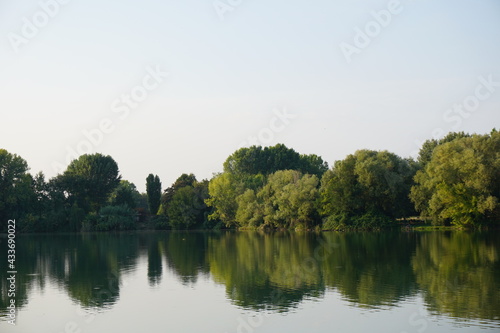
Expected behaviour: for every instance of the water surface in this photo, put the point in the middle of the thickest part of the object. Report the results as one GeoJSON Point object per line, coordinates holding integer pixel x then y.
{"type": "Point", "coordinates": [255, 282]}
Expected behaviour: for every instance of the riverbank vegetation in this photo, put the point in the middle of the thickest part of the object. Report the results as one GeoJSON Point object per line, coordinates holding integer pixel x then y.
{"type": "Point", "coordinates": [455, 181]}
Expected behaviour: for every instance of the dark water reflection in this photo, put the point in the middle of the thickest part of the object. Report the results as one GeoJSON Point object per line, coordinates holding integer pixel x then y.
{"type": "Point", "coordinates": [457, 273]}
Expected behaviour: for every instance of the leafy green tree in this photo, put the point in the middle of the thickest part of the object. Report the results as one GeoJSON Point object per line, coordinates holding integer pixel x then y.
{"type": "Point", "coordinates": [288, 200]}
{"type": "Point", "coordinates": [90, 179]}
{"type": "Point", "coordinates": [184, 202]}
{"type": "Point", "coordinates": [111, 218]}
{"type": "Point", "coordinates": [425, 153]}
{"type": "Point", "coordinates": [235, 194]}
{"type": "Point", "coordinates": [461, 183]}
{"type": "Point", "coordinates": [267, 160]}
{"type": "Point", "coordinates": [250, 211]}
{"type": "Point", "coordinates": [57, 206]}
{"type": "Point", "coordinates": [41, 191]}
{"type": "Point", "coordinates": [153, 190]}
{"type": "Point", "coordinates": [15, 187]}
{"type": "Point", "coordinates": [143, 202]}
{"type": "Point", "coordinates": [313, 164]}
{"type": "Point", "coordinates": [182, 212]}
{"type": "Point", "coordinates": [224, 190]}
{"type": "Point", "coordinates": [125, 194]}
{"type": "Point", "coordinates": [367, 187]}
{"type": "Point", "coordinates": [75, 218]}
{"type": "Point", "coordinates": [168, 194]}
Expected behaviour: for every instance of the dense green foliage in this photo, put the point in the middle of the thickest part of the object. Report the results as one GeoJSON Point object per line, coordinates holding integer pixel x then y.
{"type": "Point", "coordinates": [153, 190]}
{"type": "Point", "coordinates": [183, 204]}
{"type": "Point", "coordinates": [367, 189]}
{"type": "Point", "coordinates": [89, 180]}
{"type": "Point", "coordinates": [425, 153]}
{"type": "Point", "coordinates": [70, 201]}
{"type": "Point", "coordinates": [111, 218]}
{"type": "Point", "coordinates": [288, 200]}
{"type": "Point", "coordinates": [271, 187]}
{"type": "Point", "coordinates": [455, 180]}
{"type": "Point", "coordinates": [283, 199]}
{"type": "Point", "coordinates": [125, 194]}
{"type": "Point", "coordinates": [267, 160]}
{"type": "Point", "coordinates": [15, 186]}
{"type": "Point", "coordinates": [223, 190]}
{"type": "Point", "coordinates": [461, 182]}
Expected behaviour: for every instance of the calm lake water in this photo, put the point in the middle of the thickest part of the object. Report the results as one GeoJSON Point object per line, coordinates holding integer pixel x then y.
{"type": "Point", "coordinates": [254, 282]}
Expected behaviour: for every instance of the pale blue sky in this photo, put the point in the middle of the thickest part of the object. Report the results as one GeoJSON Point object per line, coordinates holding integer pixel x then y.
{"type": "Point", "coordinates": [227, 78]}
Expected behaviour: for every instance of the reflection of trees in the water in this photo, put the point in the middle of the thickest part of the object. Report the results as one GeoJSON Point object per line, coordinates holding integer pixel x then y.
{"type": "Point", "coordinates": [370, 269]}
{"type": "Point", "coordinates": [87, 266]}
{"type": "Point", "coordinates": [94, 267]}
{"type": "Point", "coordinates": [459, 273]}
{"type": "Point", "coordinates": [265, 270]}
{"type": "Point", "coordinates": [25, 280]}
{"type": "Point", "coordinates": [155, 266]}
{"type": "Point", "coordinates": [185, 254]}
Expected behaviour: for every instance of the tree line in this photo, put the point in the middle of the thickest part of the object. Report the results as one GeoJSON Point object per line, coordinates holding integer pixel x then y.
{"type": "Point", "coordinates": [454, 181]}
